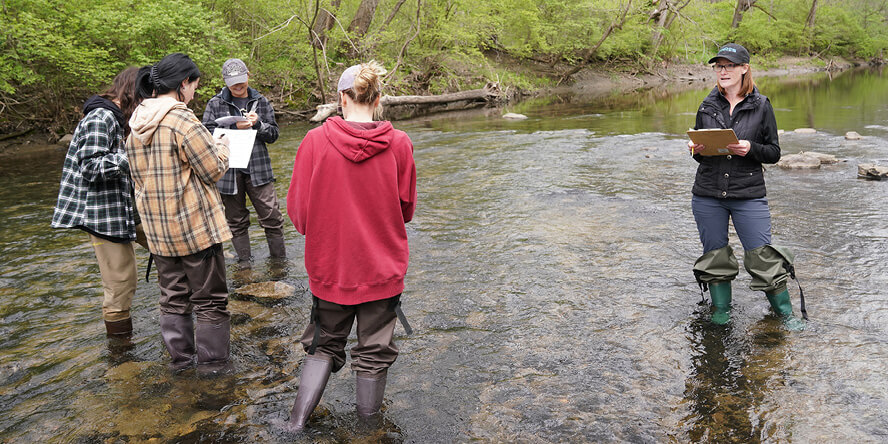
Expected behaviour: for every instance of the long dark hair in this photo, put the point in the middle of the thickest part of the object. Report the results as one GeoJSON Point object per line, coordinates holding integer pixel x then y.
{"type": "Point", "coordinates": [123, 89]}
{"type": "Point", "coordinates": [166, 75]}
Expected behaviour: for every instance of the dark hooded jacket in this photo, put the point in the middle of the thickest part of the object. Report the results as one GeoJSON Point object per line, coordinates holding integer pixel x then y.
{"type": "Point", "coordinates": [732, 176]}
{"type": "Point", "coordinates": [353, 189]}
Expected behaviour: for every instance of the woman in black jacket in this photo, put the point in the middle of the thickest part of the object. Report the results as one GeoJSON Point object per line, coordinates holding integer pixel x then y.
{"type": "Point", "coordinates": [732, 186]}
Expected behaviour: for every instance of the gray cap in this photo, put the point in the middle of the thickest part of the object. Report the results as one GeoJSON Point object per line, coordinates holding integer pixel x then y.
{"type": "Point", "coordinates": [347, 79]}
{"type": "Point", "coordinates": [732, 52]}
{"type": "Point", "coordinates": [234, 71]}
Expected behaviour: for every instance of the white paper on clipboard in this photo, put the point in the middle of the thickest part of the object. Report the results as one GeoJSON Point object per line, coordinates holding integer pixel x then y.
{"type": "Point", "coordinates": [240, 144]}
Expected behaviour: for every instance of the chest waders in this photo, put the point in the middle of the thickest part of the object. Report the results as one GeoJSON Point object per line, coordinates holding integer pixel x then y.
{"type": "Point", "coordinates": [770, 267]}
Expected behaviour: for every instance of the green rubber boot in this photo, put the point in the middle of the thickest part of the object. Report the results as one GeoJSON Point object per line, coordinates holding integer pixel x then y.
{"type": "Point", "coordinates": [720, 293]}
{"type": "Point", "coordinates": [783, 307]}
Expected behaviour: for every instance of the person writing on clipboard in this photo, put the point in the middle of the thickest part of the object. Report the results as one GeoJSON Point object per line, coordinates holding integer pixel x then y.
{"type": "Point", "coordinates": [732, 186]}
{"type": "Point", "coordinates": [238, 106]}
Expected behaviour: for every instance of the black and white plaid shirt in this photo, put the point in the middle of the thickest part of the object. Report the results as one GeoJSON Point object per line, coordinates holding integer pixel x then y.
{"type": "Point", "coordinates": [96, 191]}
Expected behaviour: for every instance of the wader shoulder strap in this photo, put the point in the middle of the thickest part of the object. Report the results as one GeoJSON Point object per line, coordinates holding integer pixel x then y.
{"type": "Point", "coordinates": [703, 285]}
{"type": "Point", "coordinates": [148, 270]}
{"type": "Point", "coordinates": [395, 305]}
{"type": "Point", "coordinates": [314, 319]}
{"type": "Point", "coordinates": [791, 270]}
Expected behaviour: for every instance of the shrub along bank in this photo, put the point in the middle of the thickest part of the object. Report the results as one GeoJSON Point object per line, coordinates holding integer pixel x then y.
{"type": "Point", "coordinates": [55, 53]}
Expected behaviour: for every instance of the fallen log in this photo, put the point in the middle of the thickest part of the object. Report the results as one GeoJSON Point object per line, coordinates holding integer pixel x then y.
{"type": "Point", "coordinates": [490, 92]}
{"type": "Point", "coordinates": [16, 134]}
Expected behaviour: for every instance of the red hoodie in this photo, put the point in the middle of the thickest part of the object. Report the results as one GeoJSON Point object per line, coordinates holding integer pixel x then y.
{"type": "Point", "coordinates": [351, 193]}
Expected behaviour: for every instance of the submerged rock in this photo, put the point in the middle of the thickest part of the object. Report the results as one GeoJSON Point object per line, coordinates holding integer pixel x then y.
{"type": "Point", "coordinates": [872, 171]}
{"type": "Point", "coordinates": [825, 159]}
{"type": "Point", "coordinates": [852, 135]}
{"type": "Point", "coordinates": [805, 130]}
{"type": "Point", "coordinates": [799, 161]}
{"type": "Point", "coordinates": [514, 116]}
{"type": "Point", "coordinates": [267, 290]}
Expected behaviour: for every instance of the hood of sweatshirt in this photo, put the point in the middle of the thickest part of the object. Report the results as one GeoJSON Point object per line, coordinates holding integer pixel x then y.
{"type": "Point", "coordinates": [96, 102]}
{"type": "Point", "coordinates": [148, 115]}
{"type": "Point", "coordinates": [357, 144]}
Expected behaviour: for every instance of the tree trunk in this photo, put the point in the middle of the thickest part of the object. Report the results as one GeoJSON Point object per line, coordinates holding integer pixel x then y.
{"type": "Point", "coordinates": [324, 23]}
{"type": "Point", "coordinates": [742, 6]}
{"type": "Point", "coordinates": [656, 36]}
{"type": "Point", "coordinates": [811, 14]}
{"type": "Point", "coordinates": [361, 23]}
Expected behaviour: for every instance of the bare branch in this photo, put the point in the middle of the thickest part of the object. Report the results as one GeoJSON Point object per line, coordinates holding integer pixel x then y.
{"type": "Point", "coordinates": [391, 16]}
{"type": "Point", "coordinates": [764, 10]}
{"type": "Point", "coordinates": [279, 27]}
{"type": "Point", "coordinates": [591, 51]}
{"type": "Point", "coordinates": [404, 48]}
{"type": "Point", "coordinates": [345, 33]}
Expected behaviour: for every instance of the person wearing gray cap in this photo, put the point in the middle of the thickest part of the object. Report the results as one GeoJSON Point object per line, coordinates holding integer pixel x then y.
{"type": "Point", "coordinates": [257, 180]}
{"type": "Point", "coordinates": [732, 186]}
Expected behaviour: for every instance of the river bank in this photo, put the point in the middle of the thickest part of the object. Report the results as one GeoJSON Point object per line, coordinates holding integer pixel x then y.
{"type": "Point", "coordinates": [587, 85]}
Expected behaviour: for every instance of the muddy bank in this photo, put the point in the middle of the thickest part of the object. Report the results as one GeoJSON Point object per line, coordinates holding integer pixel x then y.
{"type": "Point", "coordinates": [596, 82]}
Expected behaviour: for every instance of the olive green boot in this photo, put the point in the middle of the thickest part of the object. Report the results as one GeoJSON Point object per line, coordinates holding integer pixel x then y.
{"type": "Point", "coordinates": [783, 307]}
{"type": "Point", "coordinates": [720, 293]}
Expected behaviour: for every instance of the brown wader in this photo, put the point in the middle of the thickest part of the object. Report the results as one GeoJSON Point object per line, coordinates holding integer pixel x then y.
{"type": "Point", "coordinates": [325, 338]}
{"type": "Point", "coordinates": [195, 283]}
{"type": "Point", "coordinates": [268, 212]}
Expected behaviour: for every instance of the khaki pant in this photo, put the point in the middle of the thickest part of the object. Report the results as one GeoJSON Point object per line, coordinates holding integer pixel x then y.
{"type": "Point", "coordinates": [194, 283]}
{"type": "Point", "coordinates": [117, 264]}
{"type": "Point", "coordinates": [375, 351]}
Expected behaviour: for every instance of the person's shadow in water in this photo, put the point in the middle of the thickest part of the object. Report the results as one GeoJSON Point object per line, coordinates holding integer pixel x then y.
{"type": "Point", "coordinates": [732, 372]}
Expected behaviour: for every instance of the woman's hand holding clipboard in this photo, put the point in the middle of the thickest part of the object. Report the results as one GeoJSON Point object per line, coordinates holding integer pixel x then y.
{"type": "Point", "coordinates": [716, 142]}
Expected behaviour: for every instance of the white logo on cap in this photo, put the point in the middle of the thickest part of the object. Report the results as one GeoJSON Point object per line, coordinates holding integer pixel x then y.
{"type": "Point", "coordinates": [727, 49]}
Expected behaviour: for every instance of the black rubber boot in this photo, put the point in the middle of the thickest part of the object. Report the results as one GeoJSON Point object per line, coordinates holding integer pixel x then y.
{"type": "Point", "coordinates": [276, 247]}
{"type": "Point", "coordinates": [123, 327]}
{"type": "Point", "coordinates": [369, 391]}
{"type": "Point", "coordinates": [213, 346]}
{"type": "Point", "coordinates": [315, 373]}
{"type": "Point", "coordinates": [242, 248]}
{"type": "Point", "coordinates": [177, 332]}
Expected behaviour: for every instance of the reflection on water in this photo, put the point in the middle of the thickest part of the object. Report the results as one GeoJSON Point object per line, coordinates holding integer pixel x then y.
{"type": "Point", "coordinates": [550, 288]}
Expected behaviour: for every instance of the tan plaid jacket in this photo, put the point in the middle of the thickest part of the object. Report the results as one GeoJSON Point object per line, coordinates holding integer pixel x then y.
{"type": "Point", "coordinates": [175, 170]}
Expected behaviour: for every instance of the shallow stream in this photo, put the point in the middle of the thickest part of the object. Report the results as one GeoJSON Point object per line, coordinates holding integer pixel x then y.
{"type": "Point", "coordinates": [550, 288]}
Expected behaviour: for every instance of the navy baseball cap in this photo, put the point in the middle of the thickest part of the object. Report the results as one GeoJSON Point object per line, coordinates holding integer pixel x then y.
{"type": "Point", "coordinates": [732, 52]}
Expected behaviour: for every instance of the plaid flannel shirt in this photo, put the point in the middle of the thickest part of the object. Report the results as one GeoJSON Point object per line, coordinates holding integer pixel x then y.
{"type": "Point", "coordinates": [175, 179]}
{"type": "Point", "coordinates": [95, 191]}
{"type": "Point", "coordinates": [266, 127]}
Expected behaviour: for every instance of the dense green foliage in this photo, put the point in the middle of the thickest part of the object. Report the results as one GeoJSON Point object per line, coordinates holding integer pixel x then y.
{"type": "Point", "coordinates": [56, 52]}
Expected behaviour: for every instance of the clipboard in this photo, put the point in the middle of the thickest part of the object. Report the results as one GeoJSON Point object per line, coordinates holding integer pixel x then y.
{"type": "Point", "coordinates": [715, 140]}
{"type": "Point", "coordinates": [230, 120]}
{"type": "Point", "coordinates": [240, 146]}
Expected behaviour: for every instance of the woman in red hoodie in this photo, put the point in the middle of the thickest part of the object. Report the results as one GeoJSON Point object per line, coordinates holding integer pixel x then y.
{"type": "Point", "coordinates": [352, 191]}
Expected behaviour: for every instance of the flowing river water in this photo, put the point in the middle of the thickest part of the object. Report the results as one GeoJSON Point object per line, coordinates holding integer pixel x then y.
{"type": "Point", "coordinates": [550, 289]}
